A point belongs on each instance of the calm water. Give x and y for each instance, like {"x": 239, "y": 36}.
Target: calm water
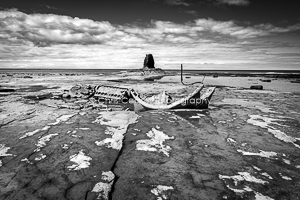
{"x": 279, "y": 84}
{"x": 225, "y": 77}
{"x": 108, "y": 71}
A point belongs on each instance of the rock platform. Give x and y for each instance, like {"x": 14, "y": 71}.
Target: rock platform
{"x": 246, "y": 145}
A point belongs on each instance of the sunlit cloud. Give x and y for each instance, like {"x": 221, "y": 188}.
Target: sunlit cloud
{"x": 173, "y": 2}
{"x": 190, "y": 12}
{"x": 176, "y": 2}
{"x": 47, "y": 29}
{"x": 53, "y": 41}
{"x": 234, "y": 2}
{"x": 51, "y": 7}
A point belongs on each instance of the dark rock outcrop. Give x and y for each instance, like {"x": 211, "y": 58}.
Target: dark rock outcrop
{"x": 296, "y": 81}
{"x": 265, "y": 80}
{"x": 149, "y": 62}
{"x": 256, "y": 87}
{"x": 7, "y": 90}
{"x": 147, "y": 73}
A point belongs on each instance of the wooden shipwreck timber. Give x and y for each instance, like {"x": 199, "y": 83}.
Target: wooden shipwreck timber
{"x": 164, "y": 101}
{"x": 161, "y": 101}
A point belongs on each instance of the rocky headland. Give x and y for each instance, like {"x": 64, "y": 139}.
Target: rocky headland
{"x": 148, "y": 72}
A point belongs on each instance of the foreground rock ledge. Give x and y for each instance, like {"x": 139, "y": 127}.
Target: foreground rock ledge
{"x": 245, "y": 146}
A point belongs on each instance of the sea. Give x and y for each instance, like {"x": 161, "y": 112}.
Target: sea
{"x": 191, "y": 72}
{"x": 280, "y": 80}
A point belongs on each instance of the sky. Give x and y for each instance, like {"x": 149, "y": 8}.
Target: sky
{"x": 117, "y": 34}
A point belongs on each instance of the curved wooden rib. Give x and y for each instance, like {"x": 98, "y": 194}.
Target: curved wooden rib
{"x": 179, "y": 103}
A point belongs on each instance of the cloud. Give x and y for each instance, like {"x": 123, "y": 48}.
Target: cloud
{"x": 48, "y": 40}
{"x": 49, "y": 28}
{"x": 174, "y": 2}
{"x": 51, "y": 7}
{"x": 177, "y": 2}
{"x": 234, "y": 2}
{"x": 229, "y": 28}
{"x": 273, "y": 29}
{"x": 190, "y": 12}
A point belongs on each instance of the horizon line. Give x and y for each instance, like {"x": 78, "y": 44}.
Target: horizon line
{"x": 121, "y": 69}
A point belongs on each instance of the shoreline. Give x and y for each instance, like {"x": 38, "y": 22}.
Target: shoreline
{"x": 224, "y": 73}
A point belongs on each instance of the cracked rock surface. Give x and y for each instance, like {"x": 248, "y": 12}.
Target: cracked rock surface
{"x": 245, "y": 146}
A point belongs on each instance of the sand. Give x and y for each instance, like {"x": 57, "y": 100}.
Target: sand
{"x": 244, "y": 146}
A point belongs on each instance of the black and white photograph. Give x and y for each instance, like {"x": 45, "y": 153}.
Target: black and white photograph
{"x": 149, "y": 100}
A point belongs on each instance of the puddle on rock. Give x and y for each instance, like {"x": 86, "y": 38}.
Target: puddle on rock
{"x": 117, "y": 123}
{"x": 35, "y": 88}
{"x": 155, "y": 143}
{"x": 247, "y": 104}
{"x": 81, "y": 161}
{"x": 267, "y": 122}
{"x": 161, "y": 191}
{"x": 37, "y": 98}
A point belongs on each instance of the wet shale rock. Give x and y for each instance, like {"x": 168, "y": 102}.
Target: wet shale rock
{"x": 64, "y": 159}
{"x": 245, "y": 146}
